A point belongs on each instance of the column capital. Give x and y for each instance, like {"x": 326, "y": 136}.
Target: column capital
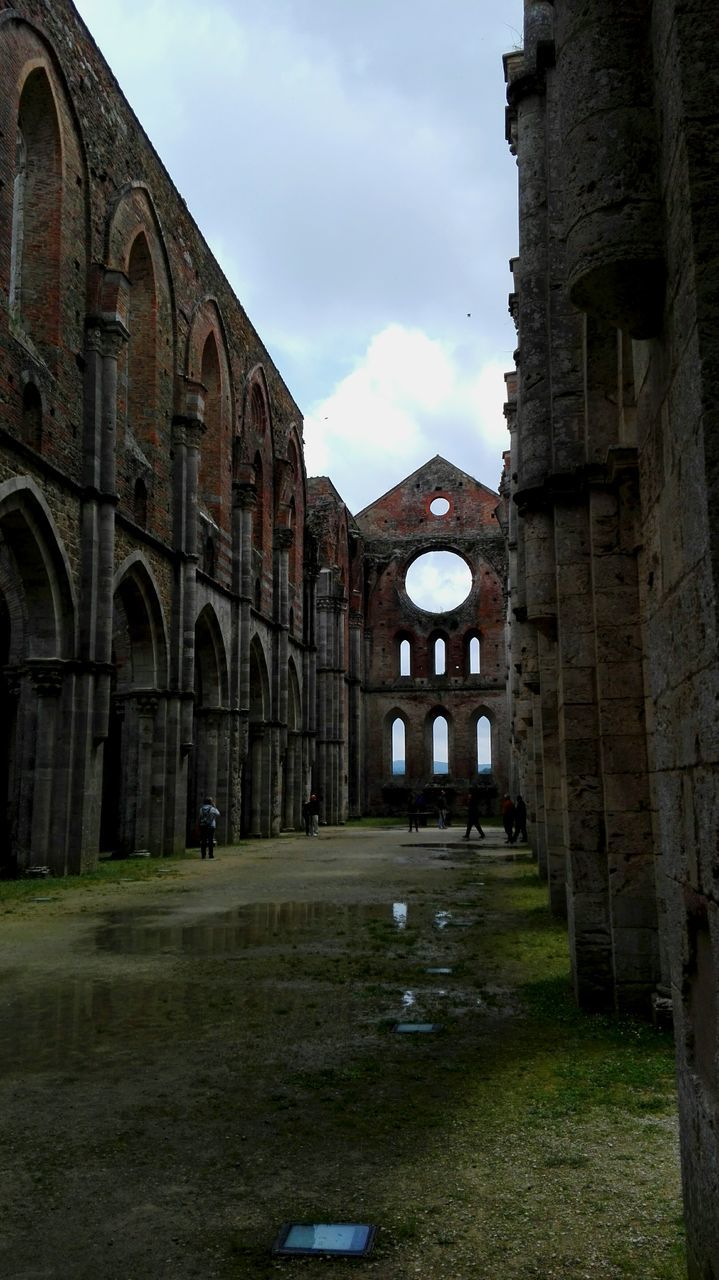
{"x": 284, "y": 539}
{"x": 187, "y": 431}
{"x": 47, "y": 678}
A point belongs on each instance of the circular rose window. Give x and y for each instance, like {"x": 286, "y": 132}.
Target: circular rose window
{"x": 438, "y": 581}
{"x": 439, "y": 506}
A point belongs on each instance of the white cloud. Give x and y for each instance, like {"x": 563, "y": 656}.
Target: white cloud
{"x": 409, "y": 397}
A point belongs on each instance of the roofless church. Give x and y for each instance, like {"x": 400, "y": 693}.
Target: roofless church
{"x": 184, "y": 612}
{"x": 181, "y": 612}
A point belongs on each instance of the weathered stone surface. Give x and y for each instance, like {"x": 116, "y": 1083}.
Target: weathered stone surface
{"x": 623, "y": 150}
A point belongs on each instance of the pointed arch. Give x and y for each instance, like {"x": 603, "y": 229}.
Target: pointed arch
{"x": 138, "y": 286}
{"x": 207, "y": 364}
{"x": 36, "y": 244}
{"x": 141, "y": 371}
{"x": 139, "y": 632}
{"x": 483, "y": 729}
{"x": 439, "y": 733}
{"x": 211, "y": 664}
{"x": 35, "y": 575}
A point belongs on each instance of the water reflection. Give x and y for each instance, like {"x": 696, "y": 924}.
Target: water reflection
{"x": 442, "y": 919}
{"x": 399, "y": 914}
{"x": 257, "y": 924}
{"x": 408, "y": 999}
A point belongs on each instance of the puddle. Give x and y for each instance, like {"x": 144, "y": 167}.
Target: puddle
{"x": 442, "y": 919}
{"x": 399, "y": 914}
{"x": 408, "y": 999}
{"x": 150, "y": 932}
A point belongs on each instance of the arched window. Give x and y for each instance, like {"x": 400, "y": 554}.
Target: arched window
{"x": 141, "y": 347}
{"x": 484, "y": 745}
{"x": 399, "y": 748}
{"x": 405, "y": 658}
{"x": 32, "y": 416}
{"x": 139, "y": 503}
{"x": 474, "y": 656}
{"x": 440, "y": 657}
{"x": 35, "y": 247}
{"x": 440, "y": 745}
{"x": 212, "y": 451}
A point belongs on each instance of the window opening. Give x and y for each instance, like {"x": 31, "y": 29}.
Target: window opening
{"x": 439, "y": 506}
{"x": 440, "y": 745}
{"x": 399, "y": 749}
{"x": 484, "y": 745}
{"x": 438, "y": 581}
{"x": 440, "y": 657}
{"x": 405, "y": 658}
{"x": 474, "y": 656}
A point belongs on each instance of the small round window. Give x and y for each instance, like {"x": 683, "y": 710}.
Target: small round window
{"x": 439, "y": 506}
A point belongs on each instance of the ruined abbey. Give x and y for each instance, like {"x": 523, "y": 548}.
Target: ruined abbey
{"x": 612, "y": 115}
{"x": 184, "y": 612}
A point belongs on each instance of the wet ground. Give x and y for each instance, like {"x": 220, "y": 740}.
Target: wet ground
{"x": 188, "y": 1061}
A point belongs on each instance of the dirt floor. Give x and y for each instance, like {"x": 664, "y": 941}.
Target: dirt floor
{"x": 192, "y": 1053}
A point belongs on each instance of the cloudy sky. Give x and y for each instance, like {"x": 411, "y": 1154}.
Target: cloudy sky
{"x": 345, "y": 160}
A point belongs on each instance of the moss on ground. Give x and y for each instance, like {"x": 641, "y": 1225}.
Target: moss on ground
{"x": 255, "y": 1075}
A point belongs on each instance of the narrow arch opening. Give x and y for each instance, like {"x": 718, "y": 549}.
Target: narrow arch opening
{"x": 474, "y": 656}
{"x": 405, "y": 658}
{"x": 484, "y": 745}
{"x": 399, "y": 747}
{"x": 36, "y": 241}
{"x": 440, "y": 657}
{"x": 141, "y": 347}
{"x": 440, "y": 745}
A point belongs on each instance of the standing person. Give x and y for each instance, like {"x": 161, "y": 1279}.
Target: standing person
{"x": 508, "y": 815}
{"x": 520, "y": 821}
{"x": 442, "y": 811}
{"x": 473, "y": 814}
{"x": 208, "y": 822}
{"x": 307, "y": 817}
{"x": 412, "y": 813}
{"x": 313, "y": 812}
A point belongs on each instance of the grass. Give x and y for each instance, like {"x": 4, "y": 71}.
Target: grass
{"x": 14, "y": 893}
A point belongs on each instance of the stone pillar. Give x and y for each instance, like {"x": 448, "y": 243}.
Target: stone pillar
{"x": 553, "y": 799}
{"x": 627, "y": 817}
{"x": 613, "y": 217}
{"x": 324, "y": 695}
{"x": 245, "y": 499}
{"x": 146, "y": 711}
{"x": 354, "y": 732}
{"x": 587, "y": 886}
{"x": 46, "y": 682}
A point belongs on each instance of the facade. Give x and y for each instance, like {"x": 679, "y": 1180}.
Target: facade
{"x": 154, "y": 612}
{"x": 613, "y": 549}
{"x": 435, "y": 709}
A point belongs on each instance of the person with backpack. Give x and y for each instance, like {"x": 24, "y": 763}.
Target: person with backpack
{"x": 208, "y": 822}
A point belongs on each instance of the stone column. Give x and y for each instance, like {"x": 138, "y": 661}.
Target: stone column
{"x": 354, "y": 731}
{"x": 46, "y": 682}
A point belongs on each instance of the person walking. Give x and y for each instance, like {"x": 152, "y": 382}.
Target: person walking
{"x": 508, "y": 815}
{"x": 473, "y": 815}
{"x": 442, "y": 812}
{"x": 520, "y": 821}
{"x": 412, "y": 813}
{"x": 208, "y": 822}
{"x": 313, "y": 814}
